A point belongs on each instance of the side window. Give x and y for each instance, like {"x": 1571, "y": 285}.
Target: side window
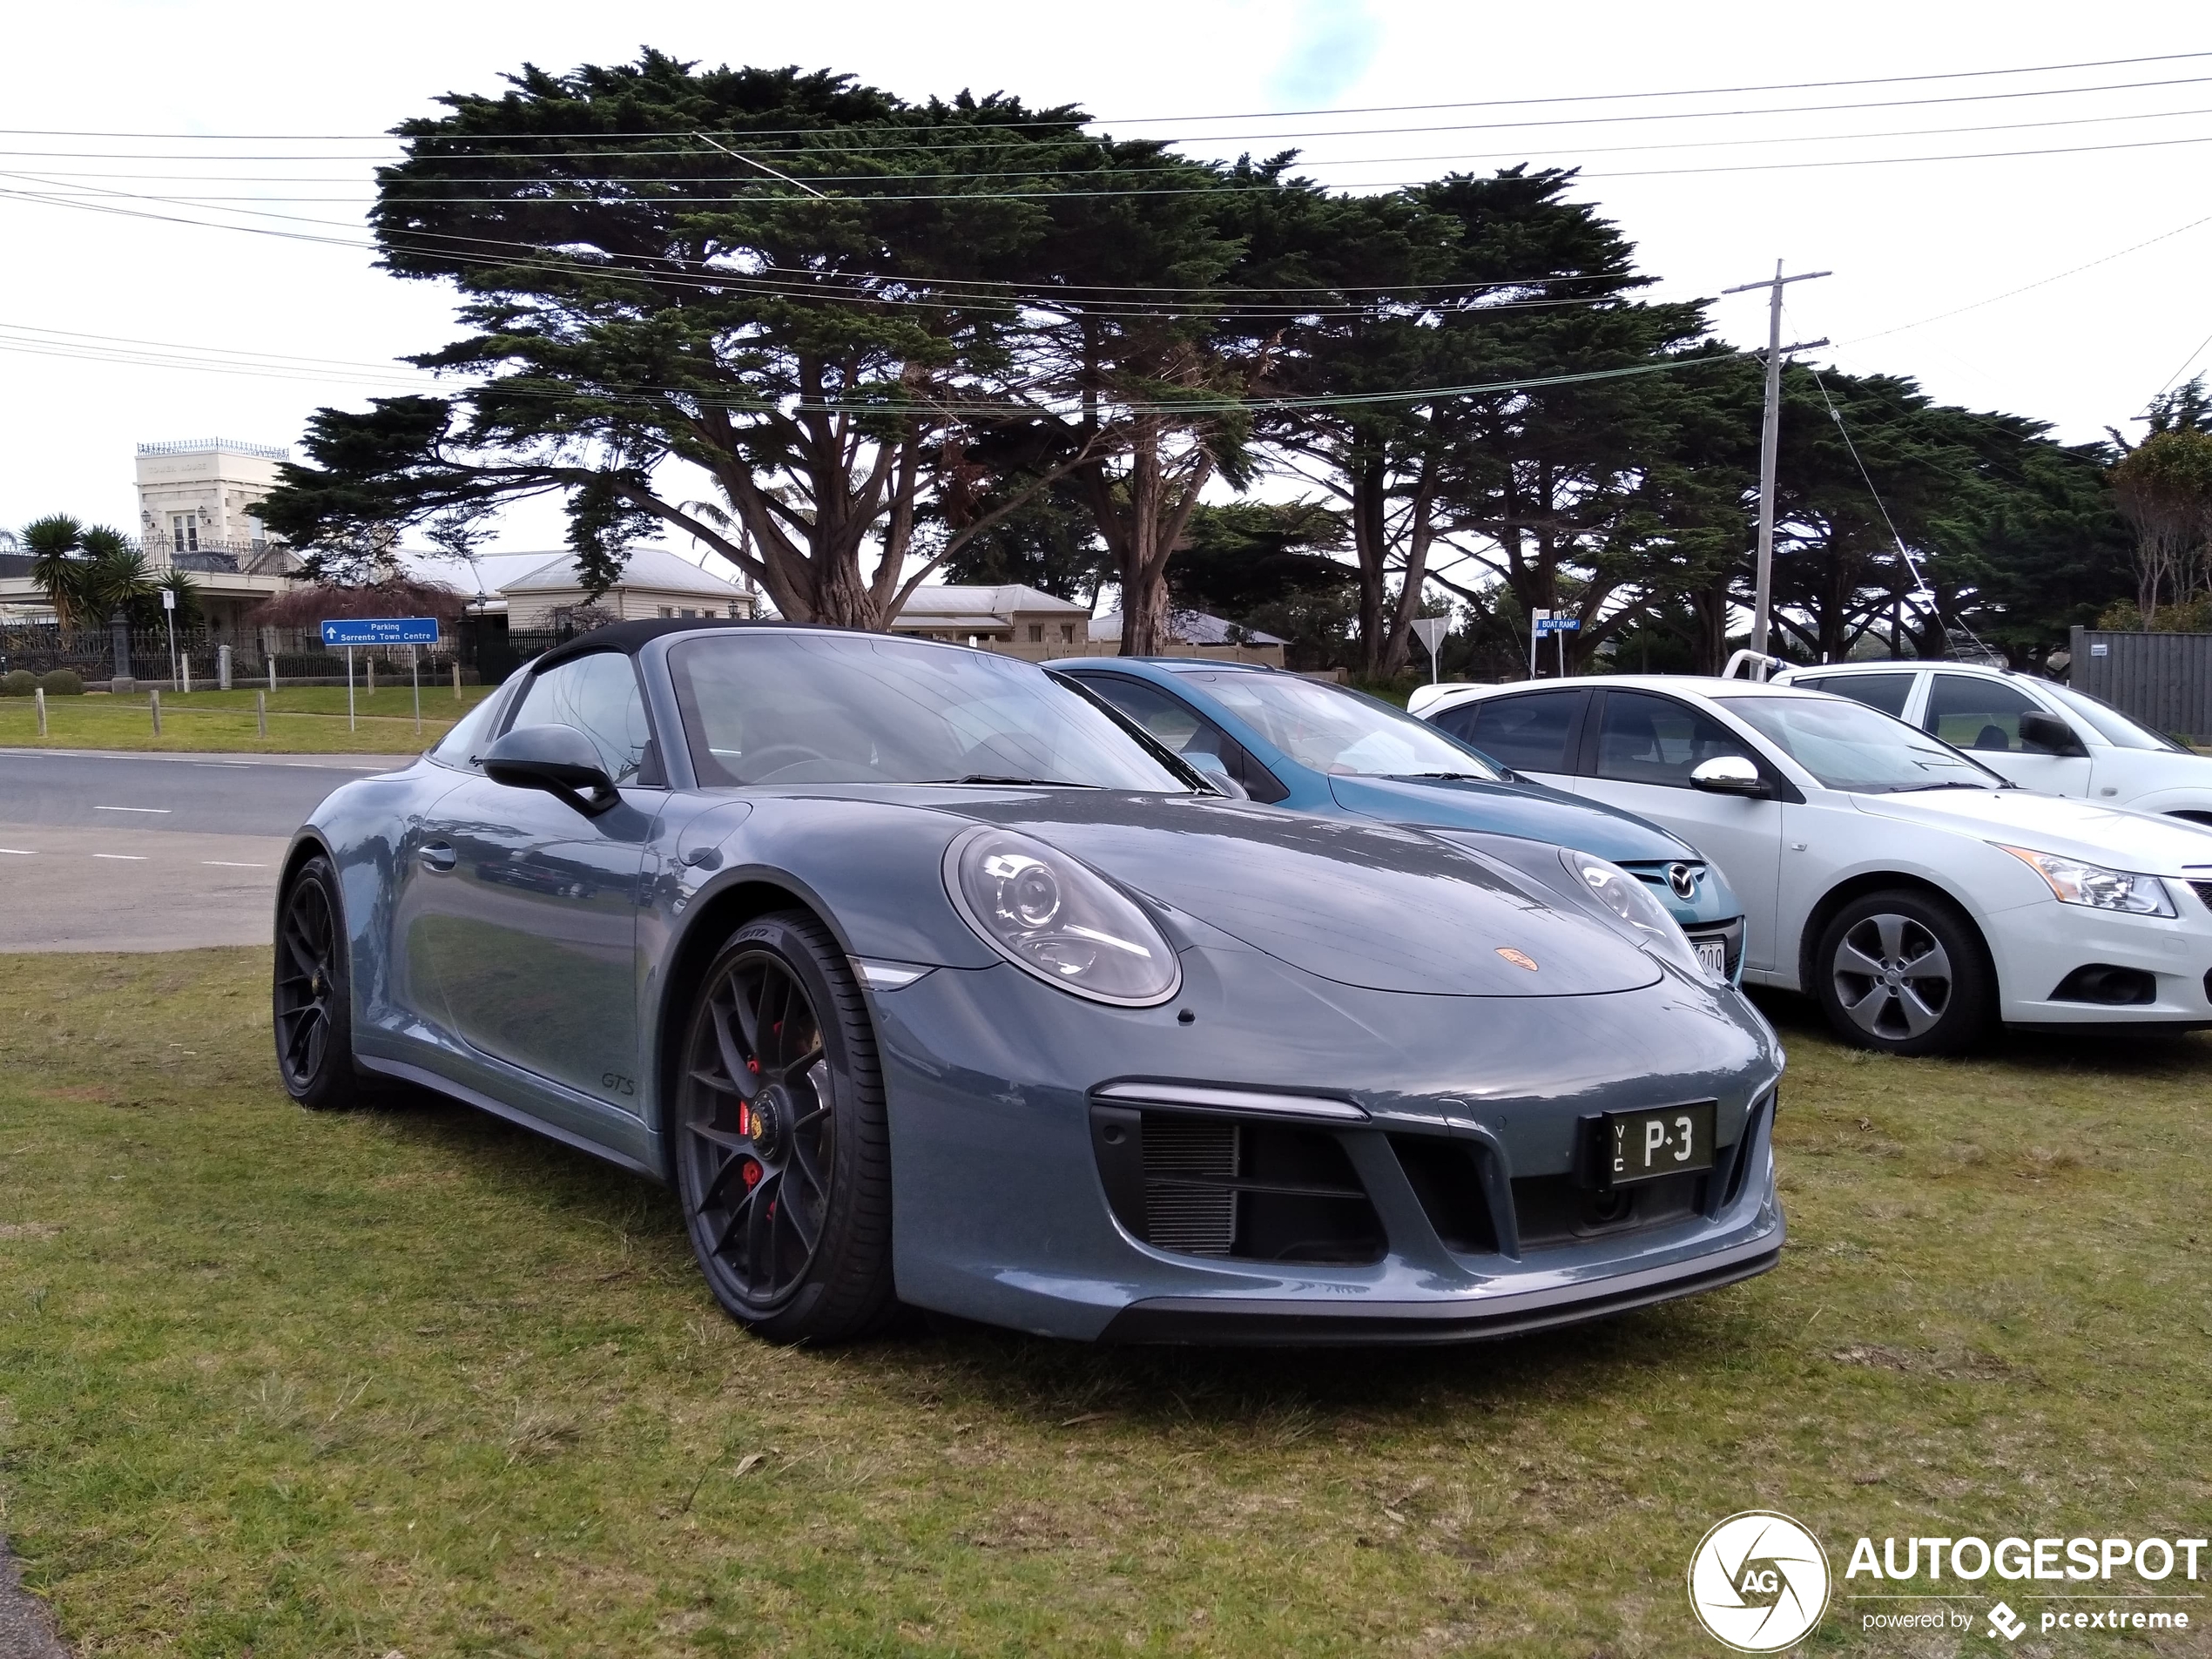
{"x": 1969, "y": 712}
{"x": 1185, "y": 731}
{"x": 1885, "y": 691}
{"x": 1174, "y": 723}
{"x": 1528, "y": 733}
{"x": 1642, "y": 738}
{"x": 463, "y": 748}
{"x": 597, "y": 695}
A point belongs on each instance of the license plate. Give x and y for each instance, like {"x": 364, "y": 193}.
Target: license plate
{"x": 1645, "y": 1145}
{"x": 1712, "y": 956}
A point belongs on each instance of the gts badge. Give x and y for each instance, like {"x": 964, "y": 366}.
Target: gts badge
{"x": 615, "y": 1084}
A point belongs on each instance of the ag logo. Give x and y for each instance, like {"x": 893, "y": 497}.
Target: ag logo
{"x": 1758, "y": 1582}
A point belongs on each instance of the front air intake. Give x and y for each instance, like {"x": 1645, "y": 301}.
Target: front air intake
{"x": 1216, "y": 1183}
{"x": 1187, "y": 1204}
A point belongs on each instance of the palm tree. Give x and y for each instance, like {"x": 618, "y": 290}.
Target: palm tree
{"x": 55, "y": 570}
{"x": 116, "y": 577}
{"x": 187, "y": 591}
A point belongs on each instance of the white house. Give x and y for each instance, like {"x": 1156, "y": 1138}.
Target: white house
{"x": 1010, "y": 614}
{"x": 654, "y": 583}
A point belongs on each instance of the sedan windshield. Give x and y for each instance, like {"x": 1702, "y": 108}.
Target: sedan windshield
{"x": 761, "y": 707}
{"x": 1848, "y": 745}
{"x": 1331, "y": 730}
{"x": 2116, "y": 728}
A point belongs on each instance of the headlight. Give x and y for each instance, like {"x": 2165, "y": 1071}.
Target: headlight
{"x": 1646, "y": 920}
{"x": 2073, "y": 882}
{"x": 1057, "y": 918}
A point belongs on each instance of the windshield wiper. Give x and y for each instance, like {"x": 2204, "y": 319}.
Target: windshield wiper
{"x": 1025, "y": 783}
{"x": 1450, "y": 777}
{"x": 1948, "y": 783}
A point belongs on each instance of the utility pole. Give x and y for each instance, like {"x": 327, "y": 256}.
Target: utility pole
{"x": 1770, "y": 443}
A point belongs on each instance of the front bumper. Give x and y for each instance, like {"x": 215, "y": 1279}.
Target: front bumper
{"x": 1258, "y": 1321}
{"x": 1000, "y": 1211}
{"x": 2037, "y": 945}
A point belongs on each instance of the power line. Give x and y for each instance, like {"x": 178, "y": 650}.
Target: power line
{"x": 706, "y": 397}
{"x": 934, "y": 292}
{"x": 1219, "y": 188}
{"x": 665, "y": 179}
{"x": 1257, "y": 115}
{"x": 467, "y": 147}
{"x": 2039, "y": 283}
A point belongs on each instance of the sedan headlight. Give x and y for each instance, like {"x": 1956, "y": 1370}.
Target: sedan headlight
{"x": 2073, "y": 882}
{"x": 1645, "y": 918}
{"x": 1059, "y": 920}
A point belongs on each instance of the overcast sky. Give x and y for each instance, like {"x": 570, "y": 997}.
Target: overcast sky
{"x": 1924, "y": 253}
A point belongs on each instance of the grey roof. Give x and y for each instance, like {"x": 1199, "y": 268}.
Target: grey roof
{"x": 1192, "y": 628}
{"x": 1001, "y": 600}
{"x": 648, "y": 567}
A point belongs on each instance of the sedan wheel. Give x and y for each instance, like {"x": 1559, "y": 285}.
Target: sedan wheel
{"x": 783, "y": 1156}
{"x": 1902, "y": 974}
{"x": 311, "y": 1002}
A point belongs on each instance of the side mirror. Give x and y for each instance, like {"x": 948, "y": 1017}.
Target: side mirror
{"x": 2049, "y": 734}
{"x": 1217, "y": 771}
{"x": 1729, "y": 775}
{"x": 560, "y": 761}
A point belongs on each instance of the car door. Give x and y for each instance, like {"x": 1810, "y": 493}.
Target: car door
{"x": 1534, "y": 733}
{"x": 1639, "y": 754}
{"x": 1981, "y": 716}
{"x": 527, "y": 914}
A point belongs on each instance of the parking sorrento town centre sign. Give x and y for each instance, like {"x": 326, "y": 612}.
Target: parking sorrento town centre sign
{"x": 382, "y": 630}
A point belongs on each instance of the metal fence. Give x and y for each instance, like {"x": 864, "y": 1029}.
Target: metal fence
{"x": 2164, "y": 680}
{"x": 296, "y": 655}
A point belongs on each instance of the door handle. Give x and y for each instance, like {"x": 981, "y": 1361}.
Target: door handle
{"x": 437, "y": 855}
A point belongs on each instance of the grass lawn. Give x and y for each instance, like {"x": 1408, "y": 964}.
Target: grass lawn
{"x": 305, "y": 719}
{"x": 412, "y": 1379}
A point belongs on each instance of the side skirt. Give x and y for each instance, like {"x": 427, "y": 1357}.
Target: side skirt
{"x": 444, "y": 1085}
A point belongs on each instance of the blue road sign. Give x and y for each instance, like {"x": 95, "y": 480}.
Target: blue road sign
{"x": 382, "y": 630}
{"x": 1544, "y": 625}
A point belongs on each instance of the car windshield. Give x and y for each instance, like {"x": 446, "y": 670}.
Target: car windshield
{"x": 2115, "y": 727}
{"x": 1333, "y": 730}
{"x": 1848, "y": 745}
{"x": 762, "y": 707}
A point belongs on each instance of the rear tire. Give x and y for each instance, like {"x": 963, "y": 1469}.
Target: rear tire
{"x": 1904, "y": 973}
{"x": 311, "y": 997}
{"x": 783, "y": 1146}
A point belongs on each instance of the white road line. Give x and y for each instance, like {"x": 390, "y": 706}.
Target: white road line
{"x": 128, "y": 858}
{"x": 19, "y": 852}
{"x": 233, "y": 864}
{"x": 163, "y": 810}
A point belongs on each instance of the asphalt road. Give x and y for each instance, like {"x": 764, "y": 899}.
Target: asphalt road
{"x": 134, "y": 851}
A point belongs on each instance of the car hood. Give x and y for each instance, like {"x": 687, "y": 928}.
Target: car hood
{"x": 1360, "y": 903}
{"x": 2076, "y": 829}
{"x": 1533, "y": 811}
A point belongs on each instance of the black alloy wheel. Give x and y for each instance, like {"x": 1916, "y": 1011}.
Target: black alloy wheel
{"x": 783, "y": 1149}
{"x": 1902, "y": 973}
{"x": 311, "y": 1002}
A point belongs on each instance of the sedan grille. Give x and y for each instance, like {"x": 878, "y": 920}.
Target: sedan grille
{"x": 2203, "y": 890}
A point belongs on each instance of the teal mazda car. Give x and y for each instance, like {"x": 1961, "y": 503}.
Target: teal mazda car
{"x": 1312, "y": 746}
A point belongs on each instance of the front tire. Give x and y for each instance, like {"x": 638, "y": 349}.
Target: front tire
{"x": 311, "y": 1000}
{"x": 783, "y": 1154}
{"x": 1903, "y": 974}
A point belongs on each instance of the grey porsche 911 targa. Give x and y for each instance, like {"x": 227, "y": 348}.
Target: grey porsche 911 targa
{"x": 926, "y": 978}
